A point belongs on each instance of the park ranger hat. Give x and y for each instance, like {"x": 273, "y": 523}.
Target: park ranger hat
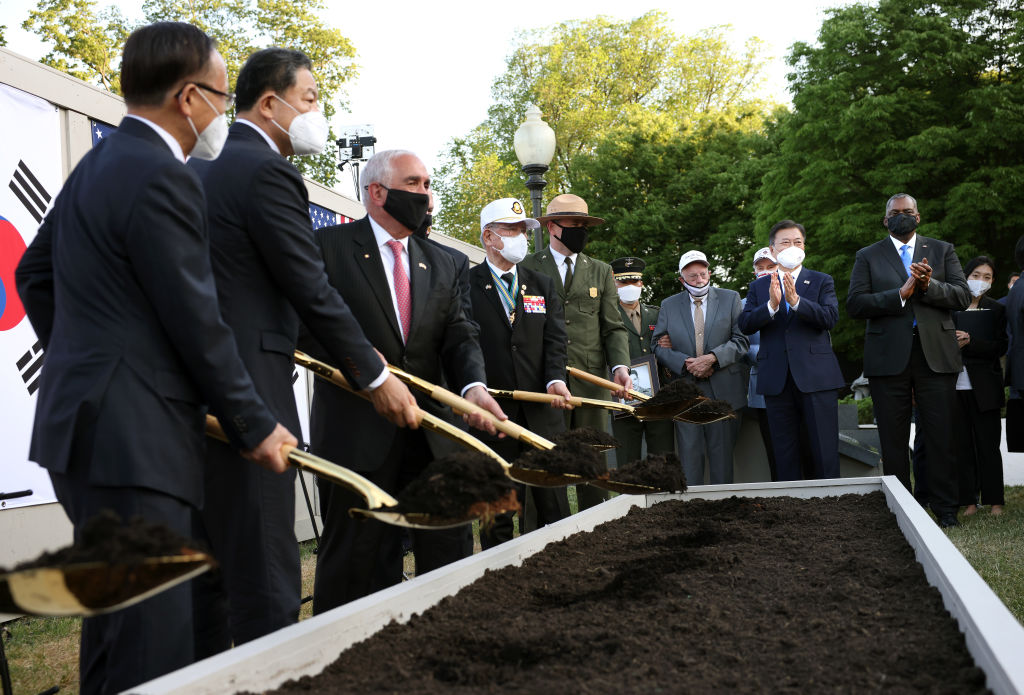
{"x": 764, "y": 253}
{"x": 506, "y": 211}
{"x": 628, "y": 269}
{"x": 692, "y": 257}
{"x": 569, "y": 205}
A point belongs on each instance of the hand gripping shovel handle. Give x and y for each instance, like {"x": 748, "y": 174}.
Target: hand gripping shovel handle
{"x": 427, "y": 420}
{"x": 604, "y": 383}
{"x": 461, "y": 405}
{"x": 374, "y": 495}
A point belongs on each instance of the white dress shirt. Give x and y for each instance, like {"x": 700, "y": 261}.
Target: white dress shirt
{"x": 560, "y": 262}
{"x": 164, "y": 135}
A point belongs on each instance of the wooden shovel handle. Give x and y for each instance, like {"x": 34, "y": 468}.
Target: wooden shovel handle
{"x": 604, "y": 383}
{"x": 461, "y": 405}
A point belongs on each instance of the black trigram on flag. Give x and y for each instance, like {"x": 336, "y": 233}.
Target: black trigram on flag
{"x": 29, "y": 365}
{"x": 29, "y": 191}
{"x": 295, "y": 375}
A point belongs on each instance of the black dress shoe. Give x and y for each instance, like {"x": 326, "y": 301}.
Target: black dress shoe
{"x": 948, "y": 519}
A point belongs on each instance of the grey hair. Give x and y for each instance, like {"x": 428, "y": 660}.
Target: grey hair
{"x": 380, "y": 169}
{"x": 888, "y": 204}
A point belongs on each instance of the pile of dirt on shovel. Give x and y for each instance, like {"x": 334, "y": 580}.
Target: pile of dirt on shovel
{"x": 106, "y": 538}
{"x": 660, "y": 471}
{"x": 709, "y": 410}
{"x": 450, "y": 486}
{"x": 678, "y": 391}
{"x": 574, "y": 454}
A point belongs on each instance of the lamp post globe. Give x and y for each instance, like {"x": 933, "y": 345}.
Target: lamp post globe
{"x": 534, "y": 144}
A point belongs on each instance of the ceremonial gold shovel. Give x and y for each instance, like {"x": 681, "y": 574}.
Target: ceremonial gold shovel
{"x": 376, "y": 498}
{"x": 536, "y": 397}
{"x": 527, "y": 476}
{"x": 461, "y": 405}
{"x": 677, "y": 410}
{"x": 92, "y": 588}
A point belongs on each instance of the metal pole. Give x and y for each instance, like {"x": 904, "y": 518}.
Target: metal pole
{"x": 536, "y": 183}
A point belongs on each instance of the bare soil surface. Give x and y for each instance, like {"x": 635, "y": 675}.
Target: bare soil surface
{"x": 738, "y": 595}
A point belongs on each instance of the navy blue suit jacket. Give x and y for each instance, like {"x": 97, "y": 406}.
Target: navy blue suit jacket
{"x": 795, "y": 341}
{"x": 118, "y": 287}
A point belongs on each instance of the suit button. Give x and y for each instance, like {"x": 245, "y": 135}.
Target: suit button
{"x": 568, "y": 342}
{"x": 567, "y": 322}
{"x": 514, "y": 348}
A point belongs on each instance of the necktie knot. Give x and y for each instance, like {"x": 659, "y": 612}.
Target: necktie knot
{"x": 697, "y": 301}
{"x": 508, "y": 278}
{"x": 396, "y": 248}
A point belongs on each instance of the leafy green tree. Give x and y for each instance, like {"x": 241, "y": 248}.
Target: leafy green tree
{"x": 3, "y": 41}
{"x": 589, "y": 77}
{"x": 663, "y": 194}
{"x": 914, "y": 96}
{"x": 87, "y": 43}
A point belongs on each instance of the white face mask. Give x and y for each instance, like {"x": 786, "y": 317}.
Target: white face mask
{"x": 308, "y": 132}
{"x": 514, "y": 249}
{"x": 790, "y": 257}
{"x": 979, "y": 287}
{"x": 628, "y": 294}
{"x": 210, "y": 142}
{"x": 697, "y": 291}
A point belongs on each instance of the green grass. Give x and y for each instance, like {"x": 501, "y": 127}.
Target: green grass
{"x": 43, "y": 652}
{"x": 994, "y": 545}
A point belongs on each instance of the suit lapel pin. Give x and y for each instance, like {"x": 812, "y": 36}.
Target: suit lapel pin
{"x": 422, "y": 265}
{"x": 487, "y": 287}
{"x": 807, "y": 282}
{"x": 366, "y": 255}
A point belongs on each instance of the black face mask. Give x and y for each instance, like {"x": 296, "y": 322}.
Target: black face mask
{"x": 406, "y": 207}
{"x": 421, "y": 231}
{"x": 902, "y": 225}
{"x": 574, "y": 238}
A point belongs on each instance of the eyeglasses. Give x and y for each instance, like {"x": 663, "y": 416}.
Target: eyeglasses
{"x": 229, "y": 97}
{"x": 783, "y": 243}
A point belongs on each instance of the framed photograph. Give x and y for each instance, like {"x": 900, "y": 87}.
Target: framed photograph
{"x": 644, "y": 371}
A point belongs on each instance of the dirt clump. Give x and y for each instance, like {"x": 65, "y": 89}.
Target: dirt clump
{"x": 574, "y": 454}
{"x": 583, "y": 437}
{"x": 679, "y": 391}
{"x": 707, "y": 411}
{"x": 660, "y": 471}
{"x": 450, "y": 486}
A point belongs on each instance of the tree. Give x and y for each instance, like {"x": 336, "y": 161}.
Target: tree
{"x": 663, "y": 194}
{"x": 588, "y": 77}
{"x": 3, "y": 41}
{"x": 911, "y": 96}
{"x": 88, "y": 42}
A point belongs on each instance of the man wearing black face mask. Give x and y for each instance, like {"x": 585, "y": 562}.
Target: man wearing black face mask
{"x": 597, "y": 339}
{"x": 404, "y": 293}
{"x": 910, "y": 348}
{"x": 461, "y": 260}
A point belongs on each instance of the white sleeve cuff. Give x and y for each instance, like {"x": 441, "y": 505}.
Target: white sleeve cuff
{"x": 467, "y": 387}
{"x": 554, "y": 381}
{"x": 381, "y": 378}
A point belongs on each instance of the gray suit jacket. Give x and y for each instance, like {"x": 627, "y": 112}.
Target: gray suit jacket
{"x": 722, "y": 337}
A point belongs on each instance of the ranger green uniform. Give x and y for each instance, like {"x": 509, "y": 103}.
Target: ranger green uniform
{"x": 597, "y": 340}
{"x": 629, "y": 431}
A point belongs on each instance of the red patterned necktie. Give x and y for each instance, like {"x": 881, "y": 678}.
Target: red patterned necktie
{"x": 401, "y": 290}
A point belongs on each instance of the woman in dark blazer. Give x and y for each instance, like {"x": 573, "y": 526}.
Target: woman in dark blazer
{"x": 981, "y": 335}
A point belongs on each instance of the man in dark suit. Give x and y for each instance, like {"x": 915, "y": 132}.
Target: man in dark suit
{"x": 794, "y": 308}
{"x": 522, "y": 336}
{"x": 269, "y": 277}
{"x": 906, "y": 286}
{"x": 405, "y": 295}
{"x": 119, "y": 289}
{"x": 597, "y": 339}
{"x": 639, "y": 320}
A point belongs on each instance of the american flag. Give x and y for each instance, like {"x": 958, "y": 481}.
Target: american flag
{"x": 322, "y": 217}
{"x": 100, "y": 131}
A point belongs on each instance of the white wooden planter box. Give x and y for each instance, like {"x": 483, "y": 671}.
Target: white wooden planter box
{"x": 993, "y": 635}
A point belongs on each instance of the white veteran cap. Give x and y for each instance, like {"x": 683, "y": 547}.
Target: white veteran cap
{"x": 692, "y": 257}
{"x": 506, "y": 211}
{"x": 764, "y": 253}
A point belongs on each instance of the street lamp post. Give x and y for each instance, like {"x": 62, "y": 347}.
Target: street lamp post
{"x": 534, "y": 144}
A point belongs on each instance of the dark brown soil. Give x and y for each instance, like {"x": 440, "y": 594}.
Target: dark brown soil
{"x": 737, "y": 595}
{"x": 661, "y": 471}
{"x": 678, "y": 391}
{"x": 574, "y": 454}
{"x": 449, "y": 486}
{"x": 584, "y": 436}
{"x": 106, "y": 538}
{"x": 707, "y": 411}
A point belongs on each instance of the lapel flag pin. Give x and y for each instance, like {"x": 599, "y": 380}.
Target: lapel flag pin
{"x": 366, "y": 255}
{"x": 807, "y": 282}
{"x": 422, "y": 266}
{"x": 487, "y": 287}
